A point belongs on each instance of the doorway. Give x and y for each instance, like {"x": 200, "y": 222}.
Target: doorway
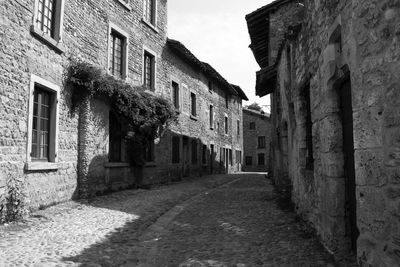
{"x": 346, "y": 109}
{"x": 185, "y": 156}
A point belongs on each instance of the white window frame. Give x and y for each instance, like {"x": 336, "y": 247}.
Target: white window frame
{"x": 113, "y": 27}
{"x": 54, "y": 129}
{"x": 56, "y": 40}
{"x": 154, "y": 80}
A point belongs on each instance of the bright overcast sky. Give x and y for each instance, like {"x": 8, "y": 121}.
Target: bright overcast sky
{"x": 215, "y": 31}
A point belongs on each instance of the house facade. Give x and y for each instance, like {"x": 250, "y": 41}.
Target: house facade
{"x": 331, "y": 68}
{"x": 47, "y": 145}
{"x": 256, "y": 141}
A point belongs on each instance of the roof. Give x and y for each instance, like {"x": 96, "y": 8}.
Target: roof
{"x": 257, "y": 113}
{"x": 180, "y": 50}
{"x": 240, "y": 92}
{"x": 259, "y": 31}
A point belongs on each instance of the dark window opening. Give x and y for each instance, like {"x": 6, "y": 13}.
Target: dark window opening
{"x": 149, "y": 152}
{"x": 175, "y": 94}
{"x": 175, "y": 149}
{"x": 116, "y": 54}
{"x": 261, "y": 142}
{"x": 148, "y": 75}
{"x": 249, "y": 161}
{"x": 115, "y": 139}
{"x": 252, "y": 126}
{"x": 41, "y": 125}
{"x": 194, "y": 151}
{"x": 193, "y": 110}
{"x": 309, "y": 141}
{"x": 211, "y": 117}
{"x": 226, "y": 125}
{"x": 261, "y": 159}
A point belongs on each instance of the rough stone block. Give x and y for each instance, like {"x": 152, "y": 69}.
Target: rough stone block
{"x": 369, "y": 167}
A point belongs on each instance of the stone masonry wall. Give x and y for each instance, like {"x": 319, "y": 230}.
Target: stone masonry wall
{"x": 85, "y": 36}
{"x": 191, "y": 80}
{"x": 250, "y": 140}
{"x": 369, "y": 54}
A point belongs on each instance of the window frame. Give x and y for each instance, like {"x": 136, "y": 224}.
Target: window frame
{"x": 149, "y": 153}
{"x": 53, "y": 40}
{"x": 193, "y": 106}
{"x": 153, "y": 57}
{"x": 176, "y": 95}
{"x": 112, "y": 27}
{"x": 251, "y": 124}
{"x": 258, "y": 159}
{"x": 262, "y": 142}
{"x": 152, "y": 24}
{"x": 226, "y": 125}
{"x": 54, "y": 90}
{"x": 211, "y": 117}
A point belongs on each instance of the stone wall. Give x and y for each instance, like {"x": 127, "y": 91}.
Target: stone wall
{"x": 369, "y": 56}
{"x": 250, "y": 140}
{"x": 190, "y": 80}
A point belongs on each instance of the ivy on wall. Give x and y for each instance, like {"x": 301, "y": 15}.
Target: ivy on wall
{"x": 141, "y": 112}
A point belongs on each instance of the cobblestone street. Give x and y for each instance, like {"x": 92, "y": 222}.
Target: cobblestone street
{"x": 225, "y": 220}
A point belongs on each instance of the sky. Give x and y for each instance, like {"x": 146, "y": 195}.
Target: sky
{"x": 215, "y": 31}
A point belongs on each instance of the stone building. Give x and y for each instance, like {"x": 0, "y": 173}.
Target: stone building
{"x": 332, "y": 69}
{"x": 46, "y": 144}
{"x": 256, "y": 141}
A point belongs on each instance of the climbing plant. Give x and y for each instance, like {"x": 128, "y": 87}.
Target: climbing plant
{"x": 143, "y": 113}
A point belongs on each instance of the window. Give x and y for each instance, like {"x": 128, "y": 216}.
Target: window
{"x": 218, "y": 128}
{"x": 43, "y": 122}
{"x": 47, "y": 22}
{"x": 226, "y": 125}
{"x": 118, "y": 45}
{"x": 249, "y": 161}
{"x": 175, "y": 149}
{"x": 309, "y": 143}
{"x": 194, "y": 151}
{"x": 175, "y": 94}
{"x": 149, "y": 12}
{"x": 238, "y": 127}
{"x": 149, "y": 152}
{"x": 226, "y": 100}
{"x": 261, "y": 142}
{"x": 149, "y": 70}
{"x": 261, "y": 159}
{"x": 193, "y": 104}
{"x": 211, "y": 117}
{"x": 204, "y": 155}
{"x": 230, "y": 157}
{"x": 115, "y": 139}
{"x": 238, "y": 156}
{"x": 252, "y": 126}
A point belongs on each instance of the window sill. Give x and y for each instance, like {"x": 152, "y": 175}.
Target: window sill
{"x": 116, "y": 165}
{"x": 52, "y": 43}
{"x": 126, "y": 5}
{"x": 151, "y": 26}
{"x": 193, "y": 117}
{"x": 41, "y": 166}
{"x": 150, "y": 164}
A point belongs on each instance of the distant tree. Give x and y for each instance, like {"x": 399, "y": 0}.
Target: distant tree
{"x": 255, "y": 106}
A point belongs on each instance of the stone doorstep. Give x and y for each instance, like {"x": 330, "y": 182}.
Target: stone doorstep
{"x": 155, "y": 231}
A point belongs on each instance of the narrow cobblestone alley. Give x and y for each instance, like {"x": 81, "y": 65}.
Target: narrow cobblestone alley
{"x": 225, "y": 220}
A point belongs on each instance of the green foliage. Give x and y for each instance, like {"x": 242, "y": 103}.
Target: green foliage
{"x": 142, "y": 112}
{"x": 12, "y": 203}
{"x": 255, "y": 106}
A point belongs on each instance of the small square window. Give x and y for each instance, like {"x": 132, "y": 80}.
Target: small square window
{"x": 252, "y": 126}
{"x": 149, "y": 71}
